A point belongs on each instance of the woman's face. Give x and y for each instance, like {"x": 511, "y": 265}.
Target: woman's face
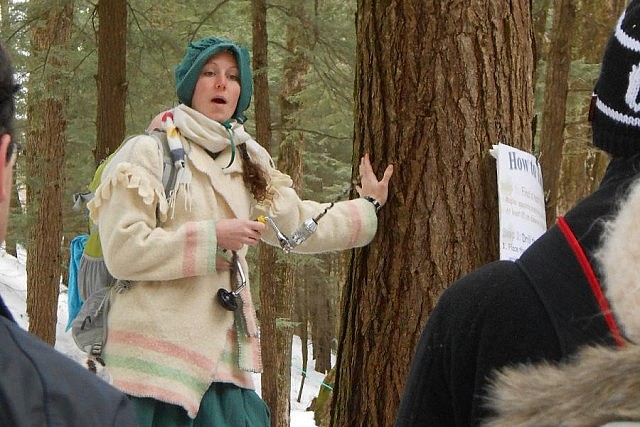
{"x": 218, "y": 87}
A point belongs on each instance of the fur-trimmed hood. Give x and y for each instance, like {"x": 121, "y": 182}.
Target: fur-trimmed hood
{"x": 600, "y": 385}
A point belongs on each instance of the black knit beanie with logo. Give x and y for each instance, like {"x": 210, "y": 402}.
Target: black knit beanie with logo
{"x": 616, "y": 109}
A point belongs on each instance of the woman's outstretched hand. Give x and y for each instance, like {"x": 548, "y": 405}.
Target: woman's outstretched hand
{"x": 369, "y": 184}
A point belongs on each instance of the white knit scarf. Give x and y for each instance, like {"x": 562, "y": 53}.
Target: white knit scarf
{"x": 208, "y": 133}
{"x": 189, "y": 124}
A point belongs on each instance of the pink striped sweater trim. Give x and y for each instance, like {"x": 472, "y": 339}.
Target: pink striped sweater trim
{"x": 190, "y": 247}
{"x": 144, "y": 342}
{"x": 354, "y": 212}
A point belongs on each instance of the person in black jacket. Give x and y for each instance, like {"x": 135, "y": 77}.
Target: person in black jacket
{"x": 549, "y": 303}
{"x": 38, "y": 385}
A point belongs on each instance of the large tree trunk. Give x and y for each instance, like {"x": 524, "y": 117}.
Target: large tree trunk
{"x": 46, "y": 138}
{"x": 112, "y": 76}
{"x": 432, "y": 99}
{"x": 555, "y": 103}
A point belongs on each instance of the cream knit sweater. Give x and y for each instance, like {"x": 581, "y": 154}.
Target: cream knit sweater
{"x": 168, "y": 337}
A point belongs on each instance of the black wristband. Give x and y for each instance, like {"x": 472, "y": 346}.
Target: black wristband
{"x": 376, "y": 204}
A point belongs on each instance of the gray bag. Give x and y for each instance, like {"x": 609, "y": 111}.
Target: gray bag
{"x": 95, "y": 283}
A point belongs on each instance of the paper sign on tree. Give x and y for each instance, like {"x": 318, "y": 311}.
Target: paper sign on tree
{"x": 520, "y": 200}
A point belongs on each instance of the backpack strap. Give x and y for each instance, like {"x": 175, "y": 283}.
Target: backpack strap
{"x": 592, "y": 279}
{"x": 169, "y": 171}
{"x": 173, "y": 162}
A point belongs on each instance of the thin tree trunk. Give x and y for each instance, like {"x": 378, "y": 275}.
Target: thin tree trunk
{"x": 540, "y": 14}
{"x": 583, "y": 165}
{"x": 46, "y": 138}
{"x": 322, "y": 321}
{"x": 555, "y": 103}
{"x": 267, "y": 254}
{"x": 289, "y": 162}
{"x": 112, "y": 76}
{"x": 304, "y": 338}
{"x": 432, "y": 99}
{"x": 4, "y": 17}
{"x": 595, "y": 19}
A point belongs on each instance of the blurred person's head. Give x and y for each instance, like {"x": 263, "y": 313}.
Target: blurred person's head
{"x": 8, "y": 147}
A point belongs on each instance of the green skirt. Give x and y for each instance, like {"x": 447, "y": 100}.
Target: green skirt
{"x": 223, "y": 405}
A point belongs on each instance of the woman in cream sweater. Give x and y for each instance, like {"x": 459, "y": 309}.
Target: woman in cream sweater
{"x": 183, "y": 357}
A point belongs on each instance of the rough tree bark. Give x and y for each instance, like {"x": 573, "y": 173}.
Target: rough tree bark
{"x": 437, "y": 84}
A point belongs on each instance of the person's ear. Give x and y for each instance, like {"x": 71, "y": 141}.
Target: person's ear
{"x": 5, "y": 139}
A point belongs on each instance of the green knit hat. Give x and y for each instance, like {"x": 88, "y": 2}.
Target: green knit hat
{"x": 198, "y": 53}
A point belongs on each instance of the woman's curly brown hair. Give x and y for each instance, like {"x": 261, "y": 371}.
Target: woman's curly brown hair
{"x": 254, "y": 176}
